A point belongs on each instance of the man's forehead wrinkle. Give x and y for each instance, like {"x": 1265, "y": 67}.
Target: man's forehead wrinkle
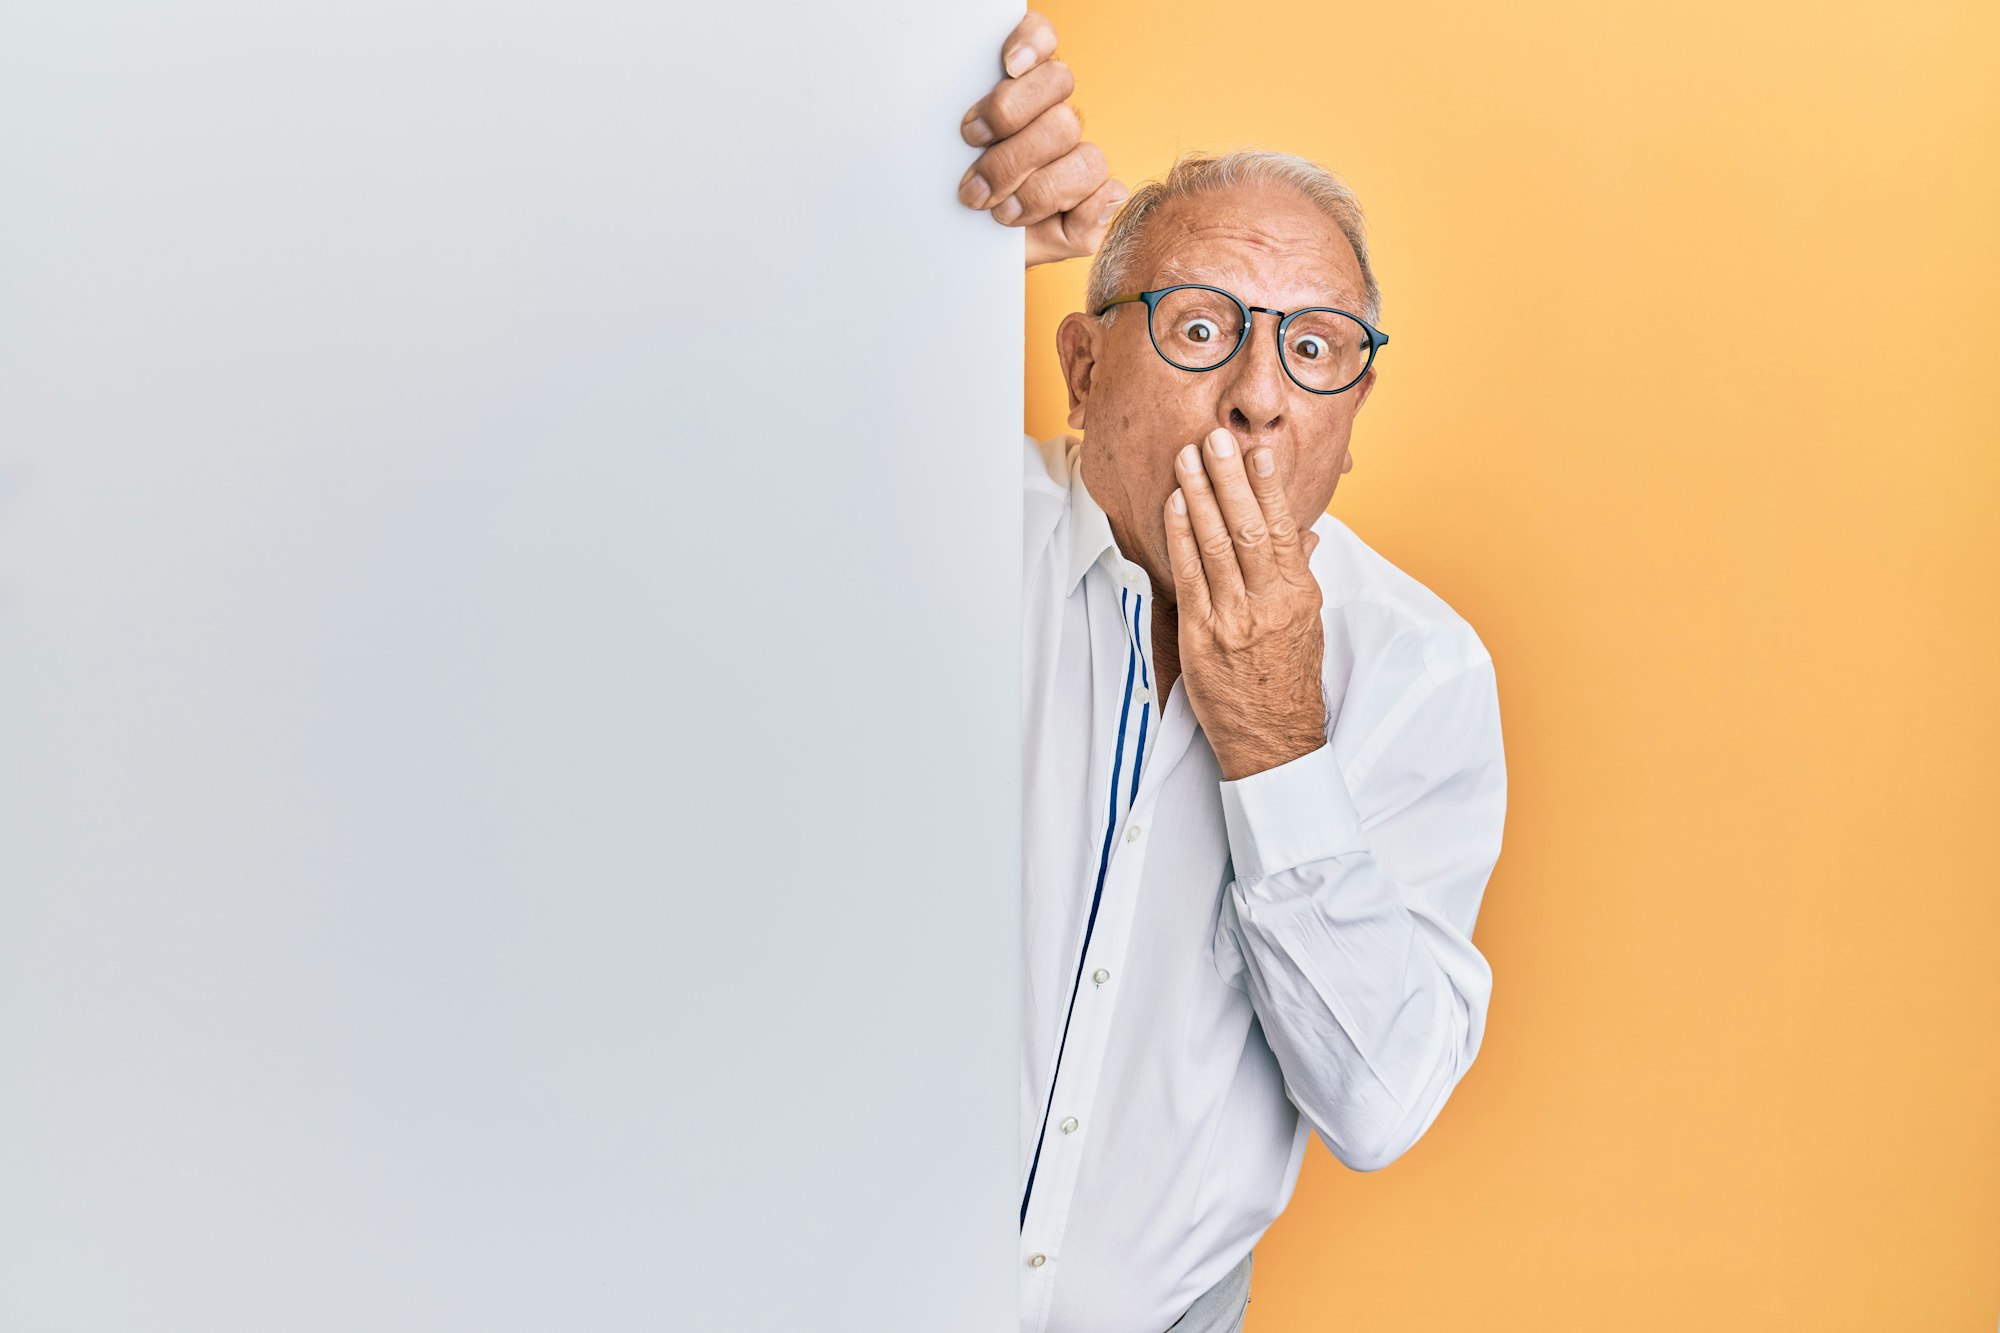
{"x": 1175, "y": 271}
{"x": 1261, "y": 234}
{"x": 1311, "y": 278}
{"x": 1262, "y": 246}
{"x": 1182, "y": 233}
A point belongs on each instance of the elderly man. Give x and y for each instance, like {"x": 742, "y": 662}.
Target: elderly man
{"x": 1263, "y": 786}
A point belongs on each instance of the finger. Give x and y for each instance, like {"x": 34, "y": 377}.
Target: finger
{"x": 1052, "y": 189}
{"x": 1004, "y": 166}
{"x": 1014, "y": 103}
{"x": 1184, "y": 555}
{"x": 1241, "y": 512}
{"x": 1032, "y": 41}
{"x": 1211, "y": 533}
{"x": 1269, "y": 488}
{"x": 1079, "y": 230}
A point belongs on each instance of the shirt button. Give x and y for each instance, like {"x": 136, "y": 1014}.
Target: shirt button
{"x": 1132, "y": 833}
{"x": 1100, "y": 976}
{"x": 1144, "y": 694}
{"x": 1037, "y": 1260}
{"x": 1069, "y": 1124}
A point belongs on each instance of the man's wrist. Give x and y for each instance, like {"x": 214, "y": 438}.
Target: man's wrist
{"x": 1239, "y": 761}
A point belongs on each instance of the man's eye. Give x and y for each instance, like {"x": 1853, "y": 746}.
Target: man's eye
{"x": 1311, "y": 347}
{"x": 1200, "y": 331}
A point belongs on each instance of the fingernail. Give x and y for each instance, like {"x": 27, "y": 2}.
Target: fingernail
{"x": 1111, "y": 210}
{"x": 1263, "y": 463}
{"x": 978, "y": 132}
{"x": 1220, "y": 441}
{"x": 1019, "y": 60}
{"x": 1008, "y": 209}
{"x": 973, "y": 189}
{"x": 1190, "y": 459}
{"x": 1180, "y": 504}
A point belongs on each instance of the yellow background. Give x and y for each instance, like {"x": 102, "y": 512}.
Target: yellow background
{"x": 1691, "y": 412}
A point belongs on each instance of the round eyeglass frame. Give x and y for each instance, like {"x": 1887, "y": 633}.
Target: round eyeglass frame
{"x": 1376, "y": 338}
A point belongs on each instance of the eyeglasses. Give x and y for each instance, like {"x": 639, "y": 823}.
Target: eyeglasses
{"x": 1197, "y": 327}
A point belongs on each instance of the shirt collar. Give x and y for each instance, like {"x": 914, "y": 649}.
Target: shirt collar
{"x": 1090, "y": 530}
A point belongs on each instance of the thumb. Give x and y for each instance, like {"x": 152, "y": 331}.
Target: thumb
{"x": 1079, "y": 232}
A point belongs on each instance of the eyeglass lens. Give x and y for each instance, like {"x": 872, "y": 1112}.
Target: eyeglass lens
{"x": 1195, "y": 328}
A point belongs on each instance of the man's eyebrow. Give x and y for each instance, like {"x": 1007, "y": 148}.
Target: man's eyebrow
{"x": 1171, "y": 273}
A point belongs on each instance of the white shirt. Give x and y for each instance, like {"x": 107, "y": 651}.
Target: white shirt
{"x": 1211, "y": 968}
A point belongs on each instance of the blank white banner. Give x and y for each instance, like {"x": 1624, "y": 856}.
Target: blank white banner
{"x": 509, "y": 667}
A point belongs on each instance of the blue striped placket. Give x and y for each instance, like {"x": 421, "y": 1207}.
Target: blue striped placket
{"x": 1133, "y": 655}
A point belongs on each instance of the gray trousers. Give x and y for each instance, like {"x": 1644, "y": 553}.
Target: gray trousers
{"x": 1220, "y": 1309}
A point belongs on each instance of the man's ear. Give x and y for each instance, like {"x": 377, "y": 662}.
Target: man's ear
{"x": 1366, "y": 387}
{"x": 1076, "y": 348}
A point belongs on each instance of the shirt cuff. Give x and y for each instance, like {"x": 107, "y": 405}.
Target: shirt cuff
{"x": 1283, "y": 817}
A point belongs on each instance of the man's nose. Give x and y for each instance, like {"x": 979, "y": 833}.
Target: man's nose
{"x": 1255, "y": 390}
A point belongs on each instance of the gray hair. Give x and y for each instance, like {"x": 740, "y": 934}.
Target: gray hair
{"x": 1198, "y": 173}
